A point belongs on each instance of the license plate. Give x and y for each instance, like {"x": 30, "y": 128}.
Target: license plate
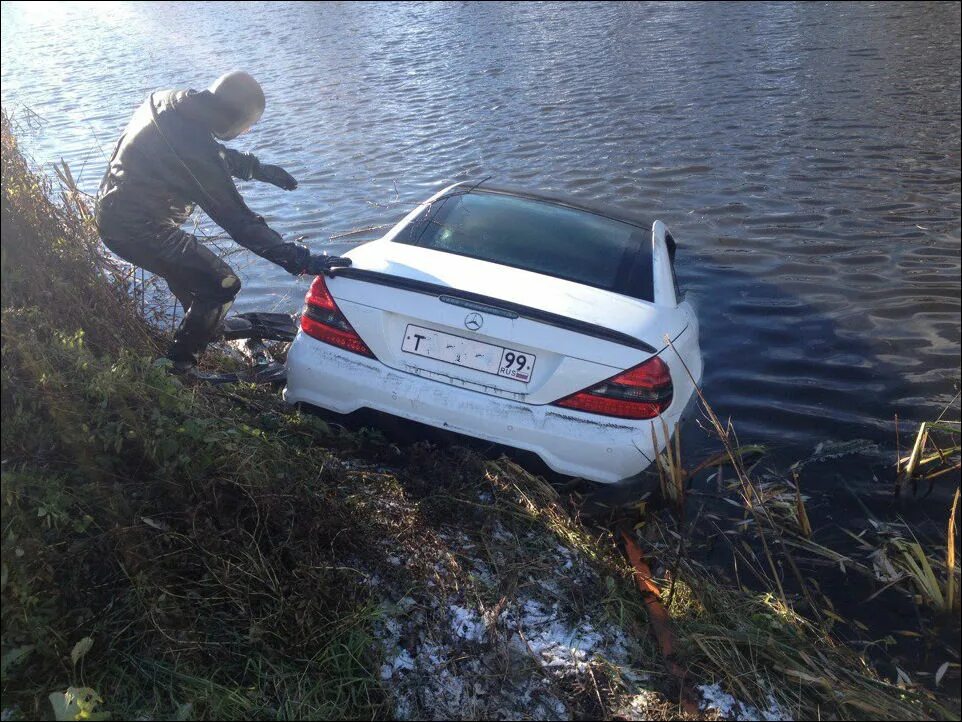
{"x": 498, "y": 360}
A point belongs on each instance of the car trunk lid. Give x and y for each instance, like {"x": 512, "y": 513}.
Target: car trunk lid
{"x": 475, "y": 316}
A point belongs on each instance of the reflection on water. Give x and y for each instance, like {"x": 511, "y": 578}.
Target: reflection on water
{"x": 806, "y": 157}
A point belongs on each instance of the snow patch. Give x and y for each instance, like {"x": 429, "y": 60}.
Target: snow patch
{"x": 444, "y": 667}
{"x": 715, "y": 698}
{"x": 554, "y": 642}
{"x": 466, "y": 623}
{"x": 461, "y": 650}
{"x": 401, "y": 661}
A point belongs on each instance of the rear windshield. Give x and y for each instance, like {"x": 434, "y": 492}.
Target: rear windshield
{"x": 538, "y": 236}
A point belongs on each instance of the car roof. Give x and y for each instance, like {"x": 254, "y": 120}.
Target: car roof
{"x": 606, "y": 210}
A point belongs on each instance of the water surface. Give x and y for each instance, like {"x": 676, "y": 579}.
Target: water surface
{"x": 806, "y": 157}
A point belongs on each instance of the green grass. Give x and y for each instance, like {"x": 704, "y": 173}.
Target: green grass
{"x": 179, "y": 533}
{"x": 193, "y": 538}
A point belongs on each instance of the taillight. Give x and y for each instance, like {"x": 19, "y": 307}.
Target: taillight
{"x": 642, "y": 392}
{"x": 323, "y": 320}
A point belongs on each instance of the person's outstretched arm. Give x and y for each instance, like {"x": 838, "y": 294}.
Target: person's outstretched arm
{"x": 246, "y": 166}
{"x": 215, "y": 192}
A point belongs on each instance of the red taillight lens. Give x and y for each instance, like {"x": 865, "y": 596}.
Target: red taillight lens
{"x": 318, "y": 295}
{"x": 642, "y": 392}
{"x": 323, "y": 320}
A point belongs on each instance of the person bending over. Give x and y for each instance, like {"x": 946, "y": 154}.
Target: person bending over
{"x": 167, "y": 161}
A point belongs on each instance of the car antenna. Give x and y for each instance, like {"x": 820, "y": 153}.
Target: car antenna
{"x": 478, "y": 184}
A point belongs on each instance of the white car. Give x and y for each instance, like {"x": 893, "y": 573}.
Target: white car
{"x": 522, "y": 320}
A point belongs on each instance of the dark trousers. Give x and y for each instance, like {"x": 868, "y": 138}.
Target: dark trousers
{"x": 202, "y": 282}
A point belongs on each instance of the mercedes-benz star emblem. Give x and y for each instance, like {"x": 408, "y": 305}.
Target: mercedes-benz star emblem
{"x": 473, "y": 321}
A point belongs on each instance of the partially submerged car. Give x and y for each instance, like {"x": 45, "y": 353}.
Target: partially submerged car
{"x": 523, "y": 320}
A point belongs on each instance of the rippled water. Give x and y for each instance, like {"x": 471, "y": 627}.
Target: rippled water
{"x": 806, "y": 157}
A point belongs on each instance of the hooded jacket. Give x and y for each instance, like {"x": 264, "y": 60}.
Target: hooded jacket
{"x": 167, "y": 161}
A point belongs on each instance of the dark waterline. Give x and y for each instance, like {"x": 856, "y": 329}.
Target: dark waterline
{"x": 806, "y": 157}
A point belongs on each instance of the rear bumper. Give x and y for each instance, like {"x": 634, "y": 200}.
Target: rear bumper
{"x": 570, "y": 442}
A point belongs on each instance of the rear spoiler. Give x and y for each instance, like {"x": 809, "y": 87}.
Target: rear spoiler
{"x": 664, "y": 284}
{"x": 496, "y": 306}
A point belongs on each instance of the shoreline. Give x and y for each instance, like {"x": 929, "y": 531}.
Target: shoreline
{"x": 198, "y": 552}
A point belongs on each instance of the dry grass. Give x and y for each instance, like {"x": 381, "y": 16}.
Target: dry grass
{"x": 67, "y": 277}
{"x": 951, "y": 583}
{"x": 757, "y": 643}
{"x": 931, "y": 457}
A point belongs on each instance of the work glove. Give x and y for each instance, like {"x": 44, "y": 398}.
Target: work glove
{"x": 275, "y": 175}
{"x": 318, "y": 264}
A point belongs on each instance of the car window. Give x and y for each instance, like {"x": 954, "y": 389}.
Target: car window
{"x": 538, "y": 236}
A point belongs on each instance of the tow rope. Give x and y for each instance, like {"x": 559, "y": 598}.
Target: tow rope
{"x": 661, "y": 627}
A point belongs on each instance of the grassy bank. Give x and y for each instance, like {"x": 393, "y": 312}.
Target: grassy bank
{"x": 176, "y": 552}
{"x": 206, "y": 553}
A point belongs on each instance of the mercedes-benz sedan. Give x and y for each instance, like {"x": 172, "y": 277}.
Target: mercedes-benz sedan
{"x": 527, "y": 321}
